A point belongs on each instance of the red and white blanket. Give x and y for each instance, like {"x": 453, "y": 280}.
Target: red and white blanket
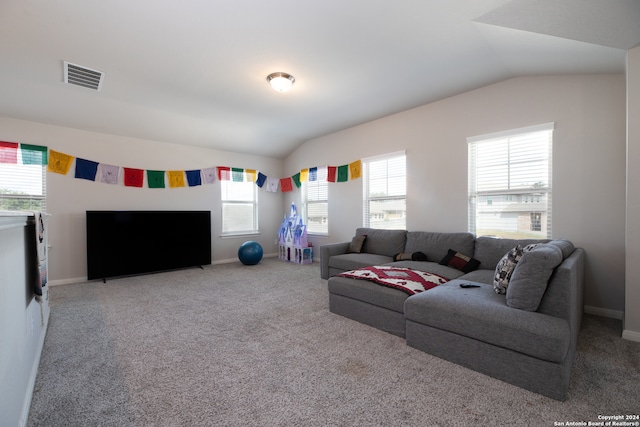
{"x": 405, "y": 279}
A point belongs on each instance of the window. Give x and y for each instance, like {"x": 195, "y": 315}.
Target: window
{"x": 315, "y": 199}
{"x": 510, "y": 183}
{"x": 239, "y": 207}
{"x": 23, "y": 181}
{"x": 385, "y": 191}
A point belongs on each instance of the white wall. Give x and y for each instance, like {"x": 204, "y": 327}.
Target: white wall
{"x": 632, "y": 291}
{"x": 588, "y": 165}
{"x": 68, "y": 198}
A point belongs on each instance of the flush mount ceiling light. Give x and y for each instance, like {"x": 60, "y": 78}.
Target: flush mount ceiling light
{"x": 281, "y": 82}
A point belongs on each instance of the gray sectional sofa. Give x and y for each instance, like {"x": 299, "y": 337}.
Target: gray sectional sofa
{"x": 506, "y": 336}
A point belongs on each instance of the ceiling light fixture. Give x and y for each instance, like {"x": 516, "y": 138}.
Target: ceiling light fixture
{"x": 281, "y": 82}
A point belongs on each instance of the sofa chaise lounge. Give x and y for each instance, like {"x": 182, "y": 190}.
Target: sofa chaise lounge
{"x": 525, "y": 335}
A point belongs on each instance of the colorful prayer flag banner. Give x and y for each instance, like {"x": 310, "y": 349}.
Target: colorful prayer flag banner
{"x": 272, "y": 185}
{"x": 155, "y": 179}
{"x": 331, "y": 173}
{"x": 59, "y": 162}
{"x": 250, "y": 174}
{"x": 86, "y": 169}
{"x": 261, "y": 179}
{"x": 343, "y": 173}
{"x": 355, "y": 169}
{"x": 313, "y": 174}
{"x": 109, "y": 174}
{"x": 209, "y": 175}
{"x": 323, "y": 172}
{"x": 34, "y": 154}
{"x": 304, "y": 175}
{"x": 8, "y": 152}
{"x": 176, "y": 179}
{"x": 194, "y": 178}
{"x": 286, "y": 185}
{"x": 132, "y": 177}
{"x": 224, "y": 173}
{"x": 296, "y": 180}
{"x": 237, "y": 175}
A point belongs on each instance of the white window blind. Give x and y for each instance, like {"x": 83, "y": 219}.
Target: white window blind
{"x": 239, "y": 207}
{"x": 510, "y": 183}
{"x": 385, "y": 191}
{"x": 23, "y": 186}
{"x": 315, "y": 196}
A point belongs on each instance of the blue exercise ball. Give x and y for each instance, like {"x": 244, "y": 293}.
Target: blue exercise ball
{"x": 250, "y": 253}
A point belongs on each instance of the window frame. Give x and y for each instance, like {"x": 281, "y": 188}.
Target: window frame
{"x": 306, "y": 202}
{"x": 398, "y": 191}
{"x": 529, "y": 158}
{"x": 31, "y": 201}
{"x": 229, "y": 201}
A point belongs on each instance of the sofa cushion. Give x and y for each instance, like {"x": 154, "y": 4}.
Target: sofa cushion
{"x": 369, "y": 292}
{"x": 481, "y": 314}
{"x": 383, "y": 242}
{"x": 529, "y": 280}
{"x": 352, "y": 261}
{"x": 481, "y": 276}
{"x": 410, "y": 256}
{"x": 507, "y": 265}
{"x": 430, "y": 267}
{"x": 565, "y": 246}
{"x": 489, "y": 250}
{"x": 435, "y": 245}
{"x": 460, "y": 261}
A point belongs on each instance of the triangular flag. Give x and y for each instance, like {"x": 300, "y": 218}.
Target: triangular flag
{"x": 109, "y": 173}
{"x": 155, "y": 179}
{"x": 194, "y": 178}
{"x": 343, "y": 173}
{"x": 285, "y": 184}
{"x": 237, "y": 174}
{"x": 176, "y": 179}
{"x": 296, "y": 180}
{"x": 261, "y": 179}
{"x": 272, "y": 184}
{"x": 304, "y": 175}
{"x": 313, "y": 174}
{"x": 331, "y": 173}
{"x": 59, "y": 162}
{"x": 86, "y": 169}
{"x": 250, "y": 174}
{"x": 209, "y": 175}
{"x": 224, "y": 173}
{"x": 8, "y": 152}
{"x": 132, "y": 177}
{"x": 355, "y": 169}
{"x": 34, "y": 154}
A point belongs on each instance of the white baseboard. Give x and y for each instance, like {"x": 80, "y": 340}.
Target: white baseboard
{"x": 66, "y": 281}
{"x": 631, "y": 335}
{"x": 604, "y": 312}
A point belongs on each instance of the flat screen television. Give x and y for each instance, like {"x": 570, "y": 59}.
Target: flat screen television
{"x": 125, "y": 243}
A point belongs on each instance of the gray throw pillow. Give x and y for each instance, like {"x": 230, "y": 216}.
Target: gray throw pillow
{"x": 356, "y": 243}
{"x": 529, "y": 279}
{"x": 506, "y": 265}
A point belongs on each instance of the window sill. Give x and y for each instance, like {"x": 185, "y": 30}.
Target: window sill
{"x": 239, "y": 234}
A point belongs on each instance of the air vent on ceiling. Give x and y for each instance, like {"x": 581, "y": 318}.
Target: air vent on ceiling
{"x": 82, "y": 76}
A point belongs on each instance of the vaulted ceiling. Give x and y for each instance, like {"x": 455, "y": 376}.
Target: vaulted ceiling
{"x": 194, "y": 71}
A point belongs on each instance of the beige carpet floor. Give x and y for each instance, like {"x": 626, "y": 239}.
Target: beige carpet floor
{"x": 234, "y": 345}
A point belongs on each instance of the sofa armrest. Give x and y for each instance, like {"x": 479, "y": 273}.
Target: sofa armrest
{"x": 564, "y": 296}
{"x": 326, "y": 252}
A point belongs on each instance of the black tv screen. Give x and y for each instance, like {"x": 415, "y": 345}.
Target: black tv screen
{"x": 124, "y": 243}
